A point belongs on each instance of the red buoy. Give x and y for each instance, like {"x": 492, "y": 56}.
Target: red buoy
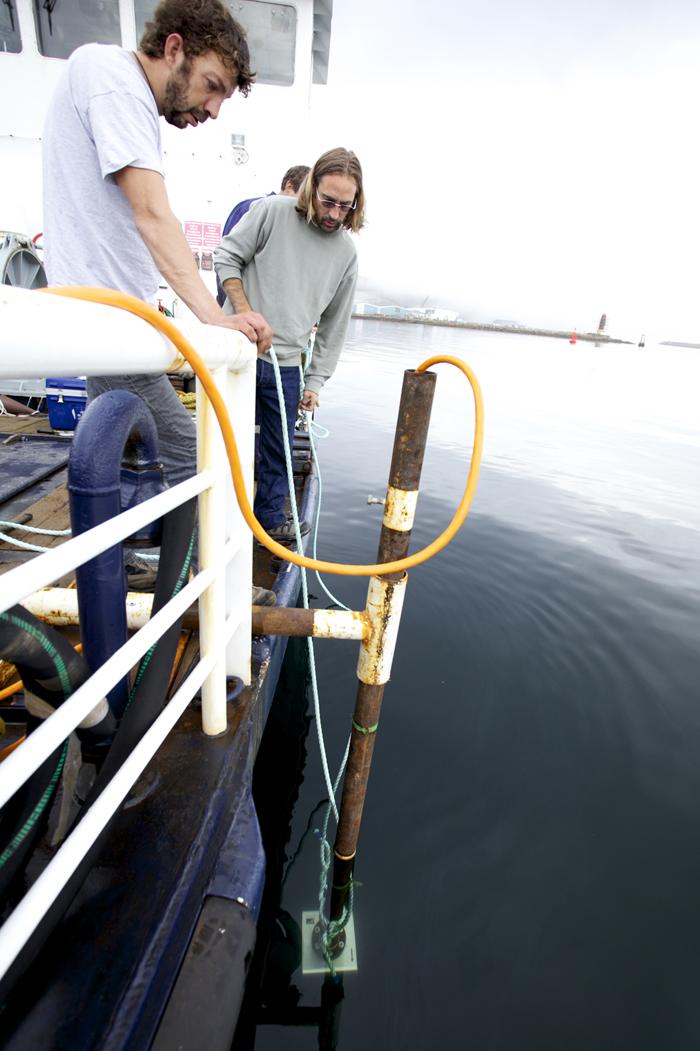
{"x": 573, "y": 337}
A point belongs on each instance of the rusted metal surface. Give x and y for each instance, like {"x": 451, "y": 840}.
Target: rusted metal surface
{"x": 374, "y": 665}
{"x": 341, "y": 624}
{"x": 342, "y": 875}
{"x": 384, "y": 605}
{"x": 407, "y": 459}
{"x": 412, "y": 429}
{"x": 269, "y": 620}
{"x": 368, "y": 706}
{"x": 60, "y": 606}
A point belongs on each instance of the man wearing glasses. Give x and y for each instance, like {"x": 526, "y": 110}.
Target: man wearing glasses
{"x": 293, "y": 262}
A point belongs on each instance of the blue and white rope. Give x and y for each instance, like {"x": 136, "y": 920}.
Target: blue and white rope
{"x": 330, "y": 928}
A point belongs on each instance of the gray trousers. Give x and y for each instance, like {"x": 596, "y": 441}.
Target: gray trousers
{"x": 177, "y": 436}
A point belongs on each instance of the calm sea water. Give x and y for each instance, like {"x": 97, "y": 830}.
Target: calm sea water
{"x": 530, "y": 854}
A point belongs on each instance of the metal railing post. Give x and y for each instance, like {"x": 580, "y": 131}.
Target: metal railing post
{"x": 240, "y": 403}
{"x": 224, "y": 541}
{"x": 211, "y": 456}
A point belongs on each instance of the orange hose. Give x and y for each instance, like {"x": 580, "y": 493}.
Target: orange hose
{"x": 9, "y": 748}
{"x": 143, "y": 310}
{"x": 13, "y": 688}
{"x": 182, "y": 642}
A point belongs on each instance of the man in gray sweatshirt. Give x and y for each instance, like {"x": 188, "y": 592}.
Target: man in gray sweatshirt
{"x": 293, "y": 262}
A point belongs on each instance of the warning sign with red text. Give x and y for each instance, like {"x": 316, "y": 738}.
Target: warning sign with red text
{"x": 193, "y": 233}
{"x": 211, "y": 237}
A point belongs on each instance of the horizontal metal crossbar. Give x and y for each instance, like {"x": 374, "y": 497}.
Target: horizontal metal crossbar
{"x": 39, "y": 898}
{"x": 22, "y": 763}
{"x": 45, "y": 568}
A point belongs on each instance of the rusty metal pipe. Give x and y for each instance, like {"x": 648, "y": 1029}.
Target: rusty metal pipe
{"x": 318, "y": 623}
{"x": 60, "y": 606}
{"x": 374, "y": 666}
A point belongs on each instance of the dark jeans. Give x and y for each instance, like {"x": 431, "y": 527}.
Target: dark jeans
{"x": 272, "y": 471}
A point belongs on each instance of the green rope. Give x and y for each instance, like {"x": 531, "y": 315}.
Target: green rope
{"x": 331, "y": 928}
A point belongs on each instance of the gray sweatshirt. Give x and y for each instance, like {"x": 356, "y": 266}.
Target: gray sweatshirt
{"x": 295, "y": 275}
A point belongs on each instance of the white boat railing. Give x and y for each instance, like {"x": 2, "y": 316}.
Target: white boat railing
{"x": 44, "y": 335}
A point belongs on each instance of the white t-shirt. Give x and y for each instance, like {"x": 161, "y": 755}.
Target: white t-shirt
{"x": 102, "y": 118}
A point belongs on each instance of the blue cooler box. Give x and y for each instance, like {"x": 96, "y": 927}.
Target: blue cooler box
{"x": 66, "y": 397}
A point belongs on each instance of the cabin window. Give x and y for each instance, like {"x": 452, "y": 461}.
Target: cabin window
{"x": 63, "y": 25}
{"x": 10, "y": 40}
{"x": 271, "y": 30}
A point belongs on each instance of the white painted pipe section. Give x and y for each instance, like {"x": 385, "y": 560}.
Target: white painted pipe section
{"x": 34, "y": 575}
{"x": 384, "y": 606}
{"x": 400, "y": 508}
{"x": 21, "y": 764}
{"x": 340, "y": 624}
{"x": 55, "y": 606}
{"x": 36, "y": 902}
{"x": 60, "y": 606}
{"x": 44, "y": 335}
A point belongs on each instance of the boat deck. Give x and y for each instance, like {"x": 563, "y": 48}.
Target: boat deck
{"x": 44, "y": 502}
{"x": 33, "y": 460}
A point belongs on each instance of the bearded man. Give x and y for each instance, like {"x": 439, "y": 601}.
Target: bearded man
{"x": 107, "y": 219}
{"x": 294, "y": 261}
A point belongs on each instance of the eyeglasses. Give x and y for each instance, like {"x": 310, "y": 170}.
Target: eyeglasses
{"x": 330, "y": 202}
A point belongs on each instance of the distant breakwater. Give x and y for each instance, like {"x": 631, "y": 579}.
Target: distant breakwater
{"x": 484, "y": 326}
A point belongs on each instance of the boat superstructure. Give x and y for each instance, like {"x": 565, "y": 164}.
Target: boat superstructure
{"x": 242, "y": 153}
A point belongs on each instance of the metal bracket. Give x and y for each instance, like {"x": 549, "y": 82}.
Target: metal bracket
{"x": 311, "y": 962}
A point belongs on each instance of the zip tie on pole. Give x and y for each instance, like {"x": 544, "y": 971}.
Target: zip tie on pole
{"x": 365, "y": 729}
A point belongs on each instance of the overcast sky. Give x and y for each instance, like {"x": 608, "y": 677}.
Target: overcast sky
{"x": 536, "y": 161}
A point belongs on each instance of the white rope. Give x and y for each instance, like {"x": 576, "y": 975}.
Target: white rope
{"x": 330, "y": 928}
{"x": 304, "y": 587}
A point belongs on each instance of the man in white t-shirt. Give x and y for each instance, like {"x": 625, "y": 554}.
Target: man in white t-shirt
{"x": 107, "y": 219}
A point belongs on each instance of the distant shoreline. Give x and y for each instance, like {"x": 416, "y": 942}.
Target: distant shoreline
{"x": 484, "y": 326}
